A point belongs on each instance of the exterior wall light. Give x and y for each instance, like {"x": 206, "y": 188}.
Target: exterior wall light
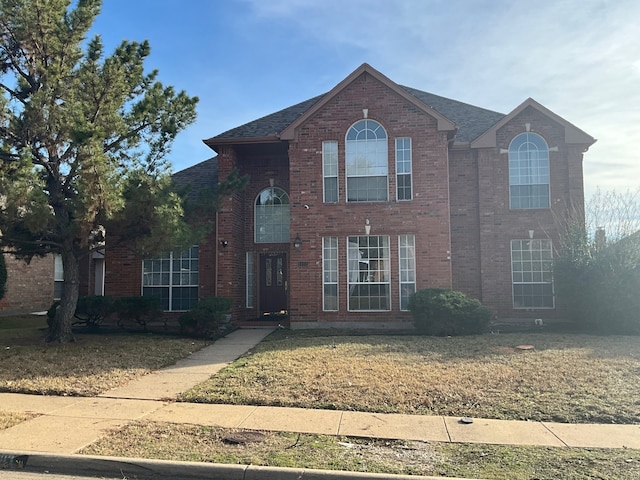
{"x": 224, "y": 243}
{"x": 367, "y": 227}
{"x": 297, "y": 243}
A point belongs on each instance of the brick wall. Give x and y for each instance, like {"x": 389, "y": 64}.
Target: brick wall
{"x": 29, "y": 286}
{"x": 426, "y": 216}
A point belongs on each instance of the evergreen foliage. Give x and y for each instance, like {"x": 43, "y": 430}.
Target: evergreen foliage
{"x": 438, "y": 311}
{"x": 84, "y": 138}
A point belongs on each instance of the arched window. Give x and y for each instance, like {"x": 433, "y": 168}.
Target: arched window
{"x": 528, "y": 172}
{"x": 272, "y": 216}
{"x": 367, "y": 162}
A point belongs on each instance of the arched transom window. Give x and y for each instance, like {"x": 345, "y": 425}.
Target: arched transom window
{"x": 272, "y": 216}
{"x": 528, "y": 172}
{"x": 367, "y": 162}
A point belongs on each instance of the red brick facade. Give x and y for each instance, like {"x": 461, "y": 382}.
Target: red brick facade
{"x": 459, "y": 213}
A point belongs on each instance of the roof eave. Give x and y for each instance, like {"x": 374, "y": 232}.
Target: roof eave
{"x": 218, "y": 142}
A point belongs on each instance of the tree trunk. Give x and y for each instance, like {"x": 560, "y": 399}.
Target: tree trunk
{"x": 60, "y": 326}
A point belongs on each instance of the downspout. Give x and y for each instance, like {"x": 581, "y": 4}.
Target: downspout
{"x": 217, "y": 242}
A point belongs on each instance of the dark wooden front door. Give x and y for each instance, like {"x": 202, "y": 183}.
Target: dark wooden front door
{"x": 273, "y": 284}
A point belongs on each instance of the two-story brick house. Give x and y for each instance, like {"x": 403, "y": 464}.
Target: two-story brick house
{"x": 363, "y": 195}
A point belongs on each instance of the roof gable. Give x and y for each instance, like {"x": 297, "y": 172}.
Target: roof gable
{"x": 443, "y": 122}
{"x": 572, "y": 133}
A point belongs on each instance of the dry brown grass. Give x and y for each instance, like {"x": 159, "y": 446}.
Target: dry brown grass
{"x": 91, "y": 365}
{"x": 205, "y": 444}
{"x": 9, "y": 419}
{"x": 566, "y": 378}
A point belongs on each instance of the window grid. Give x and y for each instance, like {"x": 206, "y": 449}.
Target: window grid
{"x": 330, "y": 274}
{"x": 531, "y": 268}
{"x": 407, "y": 268}
{"x": 368, "y": 273}
{"x": 367, "y": 162}
{"x": 173, "y": 279}
{"x": 272, "y": 216}
{"x": 403, "y": 169}
{"x": 250, "y": 277}
{"x": 528, "y": 172}
{"x": 330, "y": 171}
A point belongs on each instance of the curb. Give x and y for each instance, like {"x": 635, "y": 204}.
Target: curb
{"x": 144, "y": 469}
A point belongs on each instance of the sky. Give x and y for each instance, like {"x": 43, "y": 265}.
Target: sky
{"x": 248, "y": 58}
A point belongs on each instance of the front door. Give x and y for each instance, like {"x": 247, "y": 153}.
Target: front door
{"x": 273, "y": 284}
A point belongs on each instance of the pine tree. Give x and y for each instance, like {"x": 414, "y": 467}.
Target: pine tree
{"x": 82, "y": 135}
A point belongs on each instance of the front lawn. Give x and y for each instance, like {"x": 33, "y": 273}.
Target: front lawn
{"x": 563, "y": 378}
{"x": 93, "y": 364}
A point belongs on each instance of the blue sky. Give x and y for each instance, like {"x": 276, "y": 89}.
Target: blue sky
{"x": 248, "y": 58}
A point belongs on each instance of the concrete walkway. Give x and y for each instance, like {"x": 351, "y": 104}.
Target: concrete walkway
{"x": 65, "y": 425}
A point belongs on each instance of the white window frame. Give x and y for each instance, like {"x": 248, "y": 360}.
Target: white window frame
{"x": 406, "y": 269}
{"x": 330, "y": 272}
{"x": 272, "y": 215}
{"x": 150, "y": 275}
{"x": 330, "y": 169}
{"x": 367, "y": 156}
{"x": 58, "y": 276}
{"x": 404, "y": 162}
{"x": 358, "y": 278}
{"x": 529, "y": 167}
{"x": 532, "y": 266}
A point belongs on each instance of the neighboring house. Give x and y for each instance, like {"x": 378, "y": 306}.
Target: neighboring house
{"x": 361, "y": 196}
{"x": 30, "y": 286}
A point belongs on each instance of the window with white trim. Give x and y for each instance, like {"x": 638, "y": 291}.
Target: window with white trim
{"x": 403, "y": 169}
{"x": 330, "y": 274}
{"x": 528, "y": 172}
{"x": 330, "y": 171}
{"x": 58, "y": 277}
{"x": 407, "y": 269}
{"x": 367, "y": 162}
{"x": 531, "y": 269}
{"x": 272, "y": 216}
{"x": 173, "y": 278}
{"x": 250, "y": 278}
{"x": 369, "y": 278}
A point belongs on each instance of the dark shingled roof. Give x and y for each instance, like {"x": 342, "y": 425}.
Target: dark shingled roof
{"x": 272, "y": 124}
{"x": 198, "y": 177}
{"x": 471, "y": 121}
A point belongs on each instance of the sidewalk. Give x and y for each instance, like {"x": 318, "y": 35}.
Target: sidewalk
{"x": 67, "y": 424}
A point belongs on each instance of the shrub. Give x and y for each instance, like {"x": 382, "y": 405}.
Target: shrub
{"x": 93, "y": 309}
{"x": 137, "y": 309}
{"x": 3, "y": 276}
{"x": 438, "y": 311}
{"x": 206, "y": 316}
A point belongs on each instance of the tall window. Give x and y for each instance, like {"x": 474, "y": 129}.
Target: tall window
{"x": 272, "y": 216}
{"x": 407, "y": 256}
{"x": 250, "y": 278}
{"x": 58, "y": 277}
{"x": 367, "y": 162}
{"x": 173, "y": 278}
{"x": 330, "y": 171}
{"x": 531, "y": 266}
{"x": 403, "y": 168}
{"x": 330, "y": 273}
{"x": 369, "y": 273}
{"x": 528, "y": 172}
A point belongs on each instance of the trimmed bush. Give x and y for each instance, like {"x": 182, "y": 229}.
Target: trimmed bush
{"x": 140, "y": 310}
{"x": 438, "y": 311}
{"x": 3, "y": 276}
{"x": 93, "y": 309}
{"x": 206, "y": 316}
